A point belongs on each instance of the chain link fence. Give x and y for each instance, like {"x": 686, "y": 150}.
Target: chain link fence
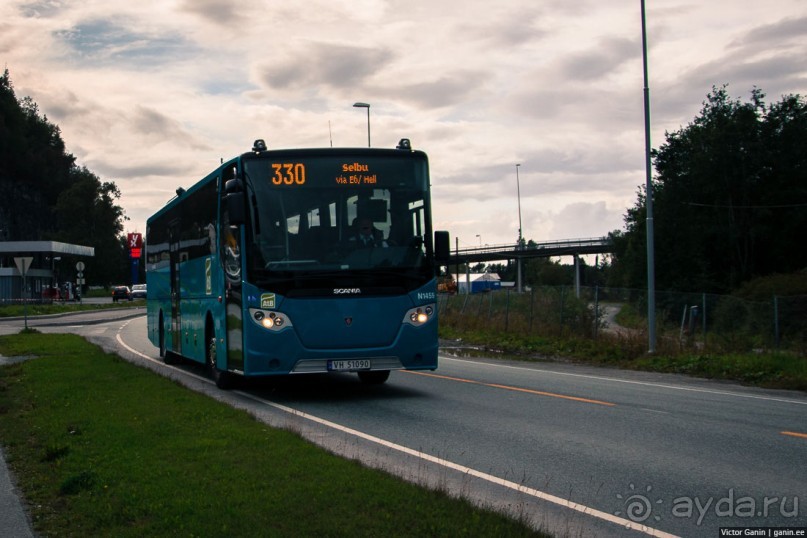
{"x": 684, "y": 321}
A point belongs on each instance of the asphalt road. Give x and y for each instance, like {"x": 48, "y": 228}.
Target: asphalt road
{"x": 582, "y": 451}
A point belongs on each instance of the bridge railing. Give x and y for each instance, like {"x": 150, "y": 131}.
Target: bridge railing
{"x": 555, "y": 243}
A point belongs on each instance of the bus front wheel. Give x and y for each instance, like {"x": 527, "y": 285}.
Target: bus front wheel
{"x": 223, "y": 380}
{"x": 376, "y": 377}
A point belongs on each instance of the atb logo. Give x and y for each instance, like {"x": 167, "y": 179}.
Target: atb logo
{"x": 638, "y": 507}
{"x": 267, "y": 300}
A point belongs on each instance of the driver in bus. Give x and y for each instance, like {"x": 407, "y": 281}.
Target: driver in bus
{"x": 366, "y": 235}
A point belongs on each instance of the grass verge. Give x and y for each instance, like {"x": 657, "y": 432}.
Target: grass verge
{"x": 101, "y": 447}
{"x": 772, "y": 370}
{"x": 9, "y": 311}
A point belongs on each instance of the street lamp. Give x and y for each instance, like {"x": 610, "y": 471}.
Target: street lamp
{"x": 651, "y": 256}
{"x": 520, "y": 239}
{"x": 518, "y": 190}
{"x": 480, "y": 239}
{"x": 367, "y": 106}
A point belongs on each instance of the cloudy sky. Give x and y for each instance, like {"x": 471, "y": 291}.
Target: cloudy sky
{"x": 152, "y": 94}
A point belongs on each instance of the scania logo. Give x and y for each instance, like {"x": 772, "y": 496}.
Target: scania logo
{"x": 347, "y": 291}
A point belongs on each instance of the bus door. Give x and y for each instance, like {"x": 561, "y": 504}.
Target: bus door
{"x": 176, "y": 315}
{"x": 231, "y": 261}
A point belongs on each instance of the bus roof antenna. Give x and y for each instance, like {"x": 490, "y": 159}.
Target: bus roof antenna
{"x": 259, "y": 145}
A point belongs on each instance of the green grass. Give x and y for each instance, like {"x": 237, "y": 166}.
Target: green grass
{"x": 9, "y": 311}
{"x": 771, "y": 369}
{"x": 101, "y": 447}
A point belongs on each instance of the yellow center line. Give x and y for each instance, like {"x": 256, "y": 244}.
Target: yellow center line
{"x": 515, "y": 389}
{"x": 795, "y": 434}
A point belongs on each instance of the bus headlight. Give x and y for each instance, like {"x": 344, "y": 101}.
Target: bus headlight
{"x": 420, "y": 315}
{"x": 274, "y": 321}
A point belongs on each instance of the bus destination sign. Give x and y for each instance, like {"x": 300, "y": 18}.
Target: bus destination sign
{"x": 295, "y": 174}
{"x": 356, "y": 174}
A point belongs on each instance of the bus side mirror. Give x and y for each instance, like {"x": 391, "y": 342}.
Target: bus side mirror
{"x": 234, "y": 199}
{"x": 235, "y": 208}
{"x": 442, "y": 248}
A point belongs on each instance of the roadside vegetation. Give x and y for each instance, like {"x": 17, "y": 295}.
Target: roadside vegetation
{"x": 101, "y": 447}
{"x": 780, "y": 370}
{"x": 735, "y": 342}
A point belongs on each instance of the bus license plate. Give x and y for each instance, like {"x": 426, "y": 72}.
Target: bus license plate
{"x": 349, "y": 365}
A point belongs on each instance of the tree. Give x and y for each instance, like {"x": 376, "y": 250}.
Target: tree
{"x": 87, "y": 214}
{"x": 729, "y": 195}
{"x": 44, "y": 195}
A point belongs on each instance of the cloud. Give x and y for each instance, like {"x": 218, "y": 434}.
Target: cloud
{"x": 590, "y": 219}
{"x": 219, "y": 12}
{"x": 503, "y": 29}
{"x": 327, "y": 65}
{"x": 785, "y": 32}
{"x": 156, "y": 127}
{"x": 43, "y": 8}
{"x": 448, "y": 90}
{"x": 103, "y": 42}
{"x": 604, "y": 59}
{"x": 140, "y": 170}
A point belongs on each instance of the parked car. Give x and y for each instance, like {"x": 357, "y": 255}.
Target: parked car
{"x": 139, "y": 291}
{"x": 121, "y": 292}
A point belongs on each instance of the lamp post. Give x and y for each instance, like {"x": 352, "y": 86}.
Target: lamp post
{"x": 480, "y": 239}
{"x": 367, "y": 106}
{"x": 520, "y": 238}
{"x": 651, "y": 261}
{"x": 518, "y": 190}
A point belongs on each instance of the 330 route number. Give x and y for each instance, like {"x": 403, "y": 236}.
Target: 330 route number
{"x": 288, "y": 173}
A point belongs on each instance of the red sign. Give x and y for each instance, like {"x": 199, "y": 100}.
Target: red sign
{"x": 134, "y": 253}
{"x": 134, "y": 240}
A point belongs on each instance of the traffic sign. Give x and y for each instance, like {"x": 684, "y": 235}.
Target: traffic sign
{"x": 23, "y": 263}
{"x": 80, "y": 266}
{"x": 135, "y": 240}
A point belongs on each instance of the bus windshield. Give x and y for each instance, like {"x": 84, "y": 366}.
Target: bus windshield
{"x": 320, "y": 221}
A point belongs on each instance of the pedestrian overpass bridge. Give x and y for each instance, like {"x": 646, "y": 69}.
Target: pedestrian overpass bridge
{"x": 546, "y": 249}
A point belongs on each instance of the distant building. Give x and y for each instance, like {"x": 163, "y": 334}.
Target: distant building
{"x": 479, "y": 282}
{"x": 40, "y": 278}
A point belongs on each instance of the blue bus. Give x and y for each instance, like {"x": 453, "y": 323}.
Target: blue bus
{"x": 299, "y": 261}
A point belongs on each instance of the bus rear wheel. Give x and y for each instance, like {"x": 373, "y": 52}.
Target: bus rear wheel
{"x": 162, "y": 338}
{"x": 167, "y": 356}
{"x": 376, "y": 377}
{"x": 223, "y": 380}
